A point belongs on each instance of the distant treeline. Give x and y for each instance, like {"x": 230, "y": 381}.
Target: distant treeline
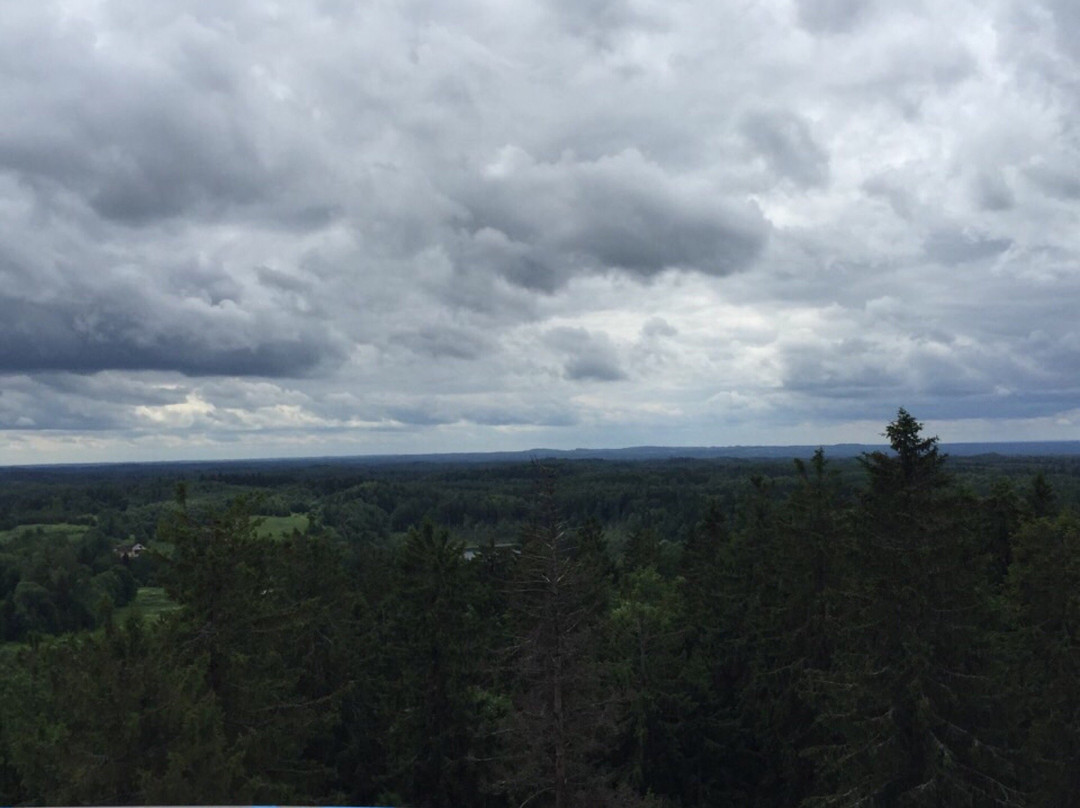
{"x": 889, "y": 630}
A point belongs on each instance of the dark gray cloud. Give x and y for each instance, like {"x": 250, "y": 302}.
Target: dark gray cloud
{"x": 849, "y": 368}
{"x": 992, "y": 191}
{"x": 539, "y": 224}
{"x": 114, "y": 335}
{"x": 593, "y": 368}
{"x": 56, "y": 403}
{"x": 952, "y": 247}
{"x": 785, "y": 141}
{"x": 115, "y": 388}
{"x": 599, "y": 20}
{"x": 134, "y": 165}
{"x": 445, "y": 342}
{"x": 1061, "y": 181}
{"x": 1066, "y": 17}
{"x": 154, "y": 122}
{"x": 508, "y": 414}
{"x": 918, "y": 356}
{"x": 283, "y": 280}
{"x": 589, "y": 356}
{"x": 892, "y": 189}
{"x": 832, "y": 16}
{"x": 658, "y": 327}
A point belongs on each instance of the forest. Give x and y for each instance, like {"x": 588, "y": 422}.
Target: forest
{"x": 897, "y": 629}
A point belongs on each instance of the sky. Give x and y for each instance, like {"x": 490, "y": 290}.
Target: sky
{"x": 320, "y": 227}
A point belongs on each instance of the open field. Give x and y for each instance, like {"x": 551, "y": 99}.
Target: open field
{"x": 59, "y": 530}
{"x": 279, "y": 527}
{"x": 150, "y": 602}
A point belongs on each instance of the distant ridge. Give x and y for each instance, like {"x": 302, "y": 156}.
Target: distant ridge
{"x": 1044, "y": 448}
{"x": 837, "y": 450}
{"x": 631, "y": 453}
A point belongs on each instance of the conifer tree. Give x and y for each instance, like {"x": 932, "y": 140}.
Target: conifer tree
{"x": 433, "y": 721}
{"x": 1041, "y": 498}
{"x": 647, "y": 637}
{"x": 788, "y": 630}
{"x": 106, "y": 719}
{"x": 719, "y": 570}
{"x": 563, "y": 710}
{"x": 267, "y": 623}
{"x": 1044, "y": 596}
{"x": 905, "y": 698}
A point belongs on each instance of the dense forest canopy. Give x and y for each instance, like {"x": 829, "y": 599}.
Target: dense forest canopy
{"x": 894, "y": 629}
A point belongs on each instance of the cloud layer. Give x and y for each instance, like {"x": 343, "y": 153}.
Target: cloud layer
{"x": 323, "y": 227}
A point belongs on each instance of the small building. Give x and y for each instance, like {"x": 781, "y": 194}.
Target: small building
{"x": 128, "y": 551}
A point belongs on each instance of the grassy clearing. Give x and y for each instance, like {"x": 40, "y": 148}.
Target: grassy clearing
{"x": 58, "y": 530}
{"x": 150, "y": 602}
{"x": 280, "y": 527}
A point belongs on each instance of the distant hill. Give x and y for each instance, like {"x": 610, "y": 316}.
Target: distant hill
{"x": 837, "y": 450}
{"x": 1047, "y": 448}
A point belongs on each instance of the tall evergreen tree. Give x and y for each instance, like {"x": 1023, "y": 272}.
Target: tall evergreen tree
{"x": 434, "y": 715}
{"x": 563, "y": 711}
{"x": 108, "y": 719}
{"x": 906, "y": 696}
{"x": 268, "y": 623}
{"x": 717, "y": 761}
{"x": 788, "y": 630}
{"x": 647, "y": 638}
{"x": 1041, "y": 498}
{"x": 1001, "y": 513}
{"x": 1044, "y": 688}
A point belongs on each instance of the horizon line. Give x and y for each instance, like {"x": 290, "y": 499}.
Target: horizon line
{"x": 1071, "y": 447}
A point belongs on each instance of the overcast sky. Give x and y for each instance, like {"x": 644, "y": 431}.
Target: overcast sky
{"x": 249, "y": 229}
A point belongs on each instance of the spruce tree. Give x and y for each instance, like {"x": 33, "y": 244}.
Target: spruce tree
{"x": 720, "y": 570}
{"x": 904, "y": 703}
{"x": 1044, "y": 685}
{"x": 267, "y": 623}
{"x": 563, "y": 710}
{"x": 788, "y": 631}
{"x": 433, "y": 715}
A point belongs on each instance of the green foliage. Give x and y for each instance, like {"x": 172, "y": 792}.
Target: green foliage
{"x": 787, "y": 626}
{"x": 905, "y": 701}
{"x": 149, "y": 603}
{"x": 563, "y": 714}
{"x": 896, "y": 630}
{"x": 267, "y": 621}
{"x": 1042, "y": 500}
{"x": 1044, "y": 597}
{"x": 281, "y": 527}
{"x": 646, "y": 632}
{"x": 56, "y": 581}
{"x": 435, "y": 713}
{"x": 103, "y": 719}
